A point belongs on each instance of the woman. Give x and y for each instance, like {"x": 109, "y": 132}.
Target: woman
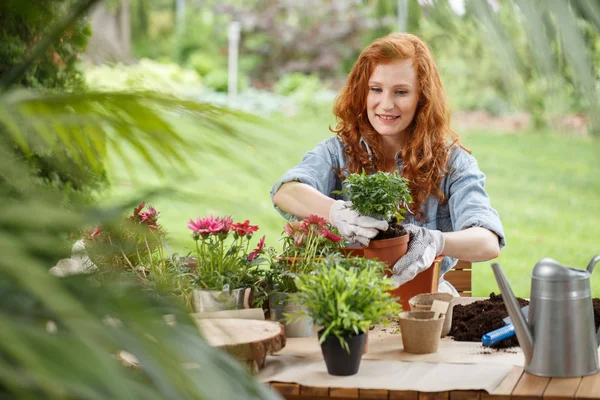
{"x": 392, "y": 116}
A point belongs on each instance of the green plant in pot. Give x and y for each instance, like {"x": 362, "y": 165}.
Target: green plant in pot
{"x": 305, "y": 243}
{"x": 346, "y": 296}
{"x": 384, "y": 196}
{"x": 224, "y": 269}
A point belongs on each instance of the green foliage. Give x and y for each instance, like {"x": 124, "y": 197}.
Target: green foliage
{"x": 94, "y": 322}
{"x": 21, "y": 27}
{"x": 146, "y": 75}
{"x": 380, "y": 195}
{"x": 346, "y": 296}
{"x": 218, "y": 79}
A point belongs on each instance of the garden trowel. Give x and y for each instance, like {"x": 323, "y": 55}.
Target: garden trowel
{"x": 505, "y": 332}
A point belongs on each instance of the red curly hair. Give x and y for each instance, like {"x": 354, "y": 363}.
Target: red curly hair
{"x": 427, "y": 147}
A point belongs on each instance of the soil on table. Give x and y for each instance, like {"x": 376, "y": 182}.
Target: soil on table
{"x": 471, "y": 321}
{"x": 394, "y": 230}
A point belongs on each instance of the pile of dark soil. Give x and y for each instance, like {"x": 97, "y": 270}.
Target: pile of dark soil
{"x": 470, "y": 322}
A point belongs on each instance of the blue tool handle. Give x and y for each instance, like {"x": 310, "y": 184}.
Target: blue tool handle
{"x": 499, "y": 334}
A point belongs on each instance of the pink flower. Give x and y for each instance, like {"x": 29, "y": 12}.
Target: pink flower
{"x": 244, "y": 228}
{"x": 258, "y": 250}
{"x": 210, "y": 225}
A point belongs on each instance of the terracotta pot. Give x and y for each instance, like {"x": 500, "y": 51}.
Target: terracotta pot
{"x": 352, "y": 251}
{"x": 423, "y": 302}
{"x": 390, "y": 251}
{"x": 420, "y": 332}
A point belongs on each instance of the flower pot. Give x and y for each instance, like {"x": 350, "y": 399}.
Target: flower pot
{"x": 279, "y": 303}
{"x": 219, "y": 300}
{"x": 338, "y": 361}
{"x": 390, "y": 251}
{"x": 423, "y": 302}
{"x": 420, "y": 332}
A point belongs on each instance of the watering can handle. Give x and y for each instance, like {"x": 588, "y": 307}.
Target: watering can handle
{"x": 592, "y": 263}
{"x": 589, "y": 269}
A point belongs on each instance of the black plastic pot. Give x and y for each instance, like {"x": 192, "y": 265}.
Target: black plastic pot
{"x": 338, "y": 361}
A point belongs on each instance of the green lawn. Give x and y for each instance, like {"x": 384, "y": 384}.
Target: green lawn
{"x": 545, "y": 187}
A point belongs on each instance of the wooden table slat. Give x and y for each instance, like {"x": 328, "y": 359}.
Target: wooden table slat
{"x": 530, "y": 387}
{"x": 561, "y": 388}
{"x": 465, "y": 395}
{"x": 404, "y": 395}
{"x": 434, "y": 395}
{"x": 374, "y": 394}
{"x": 589, "y": 388}
{"x": 286, "y": 389}
{"x": 349, "y": 393}
{"x": 310, "y": 391}
{"x": 506, "y": 387}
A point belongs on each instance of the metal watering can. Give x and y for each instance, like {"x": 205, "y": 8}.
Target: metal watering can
{"x": 560, "y": 339}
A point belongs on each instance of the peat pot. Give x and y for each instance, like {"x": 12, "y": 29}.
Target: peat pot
{"x": 423, "y": 302}
{"x": 220, "y": 300}
{"x": 338, "y": 361}
{"x": 420, "y": 331}
{"x": 281, "y": 304}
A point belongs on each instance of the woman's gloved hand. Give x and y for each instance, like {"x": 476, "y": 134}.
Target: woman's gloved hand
{"x": 353, "y": 226}
{"x": 424, "y": 246}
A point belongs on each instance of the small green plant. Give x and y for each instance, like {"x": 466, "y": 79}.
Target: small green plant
{"x": 382, "y": 195}
{"x": 346, "y": 296}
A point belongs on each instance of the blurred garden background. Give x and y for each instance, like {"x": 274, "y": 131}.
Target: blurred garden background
{"x": 108, "y": 103}
{"x": 518, "y": 94}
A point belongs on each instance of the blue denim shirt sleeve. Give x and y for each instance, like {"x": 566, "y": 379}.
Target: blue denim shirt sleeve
{"x": 317, "y": 169}
{"x": 468, "y": 201}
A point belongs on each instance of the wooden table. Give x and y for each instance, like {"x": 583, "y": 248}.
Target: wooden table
{"x": 517, "y": 385}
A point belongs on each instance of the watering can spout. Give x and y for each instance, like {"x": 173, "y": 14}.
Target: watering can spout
{"x": 522, "y": 329}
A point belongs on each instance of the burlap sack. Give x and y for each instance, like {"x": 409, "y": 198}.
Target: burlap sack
{"x": 423, "y": 302}
{"x": 420, "y": 332}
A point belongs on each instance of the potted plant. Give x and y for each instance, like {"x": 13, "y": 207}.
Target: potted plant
{"x": 386, "y": 196}
{"x": 304, "y": 244}
{"x": 345, "y": 296}
{"x": 224, "y": 269}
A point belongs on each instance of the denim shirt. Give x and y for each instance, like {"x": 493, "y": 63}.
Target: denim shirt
{"x": 467, "y": 205}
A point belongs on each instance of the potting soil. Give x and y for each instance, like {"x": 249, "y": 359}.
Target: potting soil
{"x": 471, "y": 321}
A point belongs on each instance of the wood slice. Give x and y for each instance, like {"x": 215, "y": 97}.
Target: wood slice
{"x": 247, "y": 340}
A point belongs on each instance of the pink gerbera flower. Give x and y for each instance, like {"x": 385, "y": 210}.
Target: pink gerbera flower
{"x": 258, "y": 250}
{"x": 314, "y": 220}
{"x": 210, "y": 225}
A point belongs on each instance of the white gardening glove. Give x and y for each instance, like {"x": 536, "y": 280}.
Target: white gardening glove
{"x": 424, "y": 246}
{"x": 353, "y": 226}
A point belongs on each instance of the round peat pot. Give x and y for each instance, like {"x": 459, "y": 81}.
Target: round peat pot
{"x": 420, "y": 332}
{"x": 423, "y": 302}
{"x": 338, "y": 361}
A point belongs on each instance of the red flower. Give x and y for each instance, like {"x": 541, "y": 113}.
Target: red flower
{"x": 136, "y": 211}
{"x": 244, "y": 228}
{"x": 258, "y": 250}
{"x": 210, "y": 225}
{"x": 326, "y": 233}
{"x": 95, "y": 232}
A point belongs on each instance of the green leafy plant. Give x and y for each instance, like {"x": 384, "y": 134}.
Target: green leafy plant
{"x": 382, "y": 195}
{"x": 346, "y": 296}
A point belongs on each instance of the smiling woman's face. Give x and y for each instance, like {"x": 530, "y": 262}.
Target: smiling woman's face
{"x": 393, "y": 97}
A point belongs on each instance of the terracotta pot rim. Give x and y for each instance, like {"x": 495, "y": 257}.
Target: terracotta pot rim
{"x": 383, "y": 243}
